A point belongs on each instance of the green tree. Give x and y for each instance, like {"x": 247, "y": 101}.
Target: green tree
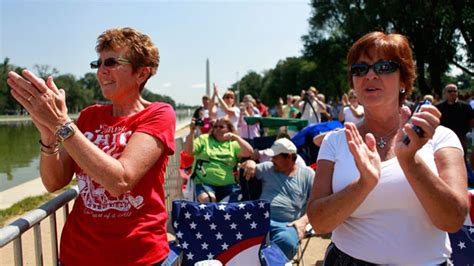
{"x": 76, "y": 97}
{"x": 251, "y": 84}
{"x": 8, "y": 104}
{"x": 90, "y": 83}
{"x": 432, "y": 27}
{"x": 153, "y": 97}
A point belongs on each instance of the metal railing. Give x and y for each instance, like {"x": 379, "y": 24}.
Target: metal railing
{"x": 14, "y": 231}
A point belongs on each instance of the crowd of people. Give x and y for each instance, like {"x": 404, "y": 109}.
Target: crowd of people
{"x": 389, "y": 182}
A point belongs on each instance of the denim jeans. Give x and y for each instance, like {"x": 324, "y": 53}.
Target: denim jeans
{"x": 220, "y": 191}
{"x": 285, "y": 237}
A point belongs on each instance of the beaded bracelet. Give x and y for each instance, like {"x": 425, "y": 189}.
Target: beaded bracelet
{"x": 52, "y": 146}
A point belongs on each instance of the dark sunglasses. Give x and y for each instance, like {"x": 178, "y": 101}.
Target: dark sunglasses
{"x": 228, "y": 97}
{"x": 220, "y": 126}
{"x": 109, "y": 62}
{"x": 452, "y": 91}
{"x": 380, "y": 68}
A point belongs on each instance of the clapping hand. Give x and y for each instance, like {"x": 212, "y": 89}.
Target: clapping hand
{"x": 43, "y": 100}
{"x": 427, "y": 119}
{"x": 365, "y": 154}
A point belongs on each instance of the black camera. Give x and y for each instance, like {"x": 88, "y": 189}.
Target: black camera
{"x": 199, "y": 122}
{"x": 306, "y": 96}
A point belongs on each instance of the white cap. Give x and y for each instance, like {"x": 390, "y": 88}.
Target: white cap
{"x": 208, "y": 263}
{"x": 282, "y": 145}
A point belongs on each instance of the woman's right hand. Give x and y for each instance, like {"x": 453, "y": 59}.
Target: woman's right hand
{"x": 345, "y": 99}
{"x": 216, "y": 92}
{"x": 192, "y": 125}
{"x": 365, "y": 155}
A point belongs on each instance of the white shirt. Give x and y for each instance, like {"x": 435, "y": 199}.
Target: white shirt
{"x": 234, "y": 119}
{"x": 349, "y": 115}
{"x": 313, "y": 116}
{"x": 390, "y": 226}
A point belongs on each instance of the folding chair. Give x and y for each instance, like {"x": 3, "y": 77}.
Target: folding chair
{"x": 233, "y": 233}
{"x": 462, "y": 242}
{"x": 251, "y": 190}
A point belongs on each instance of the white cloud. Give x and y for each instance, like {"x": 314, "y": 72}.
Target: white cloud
{"x": 166, "y": 85}
{"x": 198, "y": 85}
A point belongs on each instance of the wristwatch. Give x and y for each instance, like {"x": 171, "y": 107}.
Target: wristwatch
{"x": 65, "y": 131}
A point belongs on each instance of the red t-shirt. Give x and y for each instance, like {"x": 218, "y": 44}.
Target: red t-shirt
{"x": 129, "y": 229}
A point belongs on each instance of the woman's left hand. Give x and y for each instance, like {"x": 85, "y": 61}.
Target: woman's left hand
{"x": 427, "y": 119}
{"x": 365, "y": 154}
{"x": 230, "y": 136}
{"x": 43, "y": 100}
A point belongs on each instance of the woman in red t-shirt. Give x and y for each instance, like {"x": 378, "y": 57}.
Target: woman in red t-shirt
{"x": 117, "y": 151}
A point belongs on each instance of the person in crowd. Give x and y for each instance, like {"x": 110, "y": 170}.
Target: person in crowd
{"x": 286, "y": 185}
{"x": 293, "y": 113}
{"x": 352, "y": 112}
{"x": 247, "y": 108}
{"x": 380, "y": 188}
{"x": 456, "y": 114}
{"x": 310, "y": 107}
{"x": 262, "y": 108}
{"x": 286, "y": 108}
{"x": 471, "y": 99}
{"x": 226, "y": 107}
{"x": 260, "y": 155}
{"x": 428, "y": 97}
{"x": 118, "y": 153}
{"x": 201, "y": 116}
{"x": 219, "y": 151}
{"x": 326, "y": 113}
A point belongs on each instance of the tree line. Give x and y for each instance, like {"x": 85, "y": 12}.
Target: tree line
{"x": 440, "y": 32}
{"x": 80, "y": 93}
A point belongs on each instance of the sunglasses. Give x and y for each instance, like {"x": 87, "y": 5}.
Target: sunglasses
{"x": 452, "y": 91}
{"x": 220, "y": 126}
{"x": 380, "y": 68}
{"x": 109, "y": 62}
{"x": 228, "y": 97}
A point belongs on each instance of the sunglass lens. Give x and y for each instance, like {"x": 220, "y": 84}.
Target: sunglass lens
{"x": 95, "y": 64}
{"x": 385, "y": 67}
{"x": 110, "y": 62}
{"x": 359, "y": 69}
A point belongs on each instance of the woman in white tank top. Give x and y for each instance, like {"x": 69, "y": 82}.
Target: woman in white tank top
{"x": 388, "y": 198}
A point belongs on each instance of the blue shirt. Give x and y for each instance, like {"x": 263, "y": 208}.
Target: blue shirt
{"x": 287, "y": 195}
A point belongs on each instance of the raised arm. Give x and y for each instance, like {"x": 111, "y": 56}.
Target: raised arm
{"x": 212, "y": 104}
{"x": 246, "y": 149}
{"x": 47, "y": 104}
{"x": 442, "y": 195}
{"x": 189, "y": 142}
{"x": 227, "y": 109}
{"x": 355, "y": 112}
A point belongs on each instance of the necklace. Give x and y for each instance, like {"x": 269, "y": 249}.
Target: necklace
{"x": 381, "y": 143}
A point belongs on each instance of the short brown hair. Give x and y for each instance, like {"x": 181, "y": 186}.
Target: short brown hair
{"x": 395, "y": 47}
{"x": 227, "y": 122}
{"x": 141, "y": 50}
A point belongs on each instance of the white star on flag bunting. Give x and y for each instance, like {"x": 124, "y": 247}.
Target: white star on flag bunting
{"x": 462, "y": 241}
{"x": 231, "y": 233}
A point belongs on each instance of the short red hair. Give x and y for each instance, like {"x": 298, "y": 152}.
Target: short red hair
{"x": 395, "y": 47}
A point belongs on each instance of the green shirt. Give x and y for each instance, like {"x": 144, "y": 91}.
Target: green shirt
{"x": 222, "y": 157}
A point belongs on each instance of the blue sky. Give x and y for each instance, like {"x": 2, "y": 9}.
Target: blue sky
{"x": 236, "y": 36}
